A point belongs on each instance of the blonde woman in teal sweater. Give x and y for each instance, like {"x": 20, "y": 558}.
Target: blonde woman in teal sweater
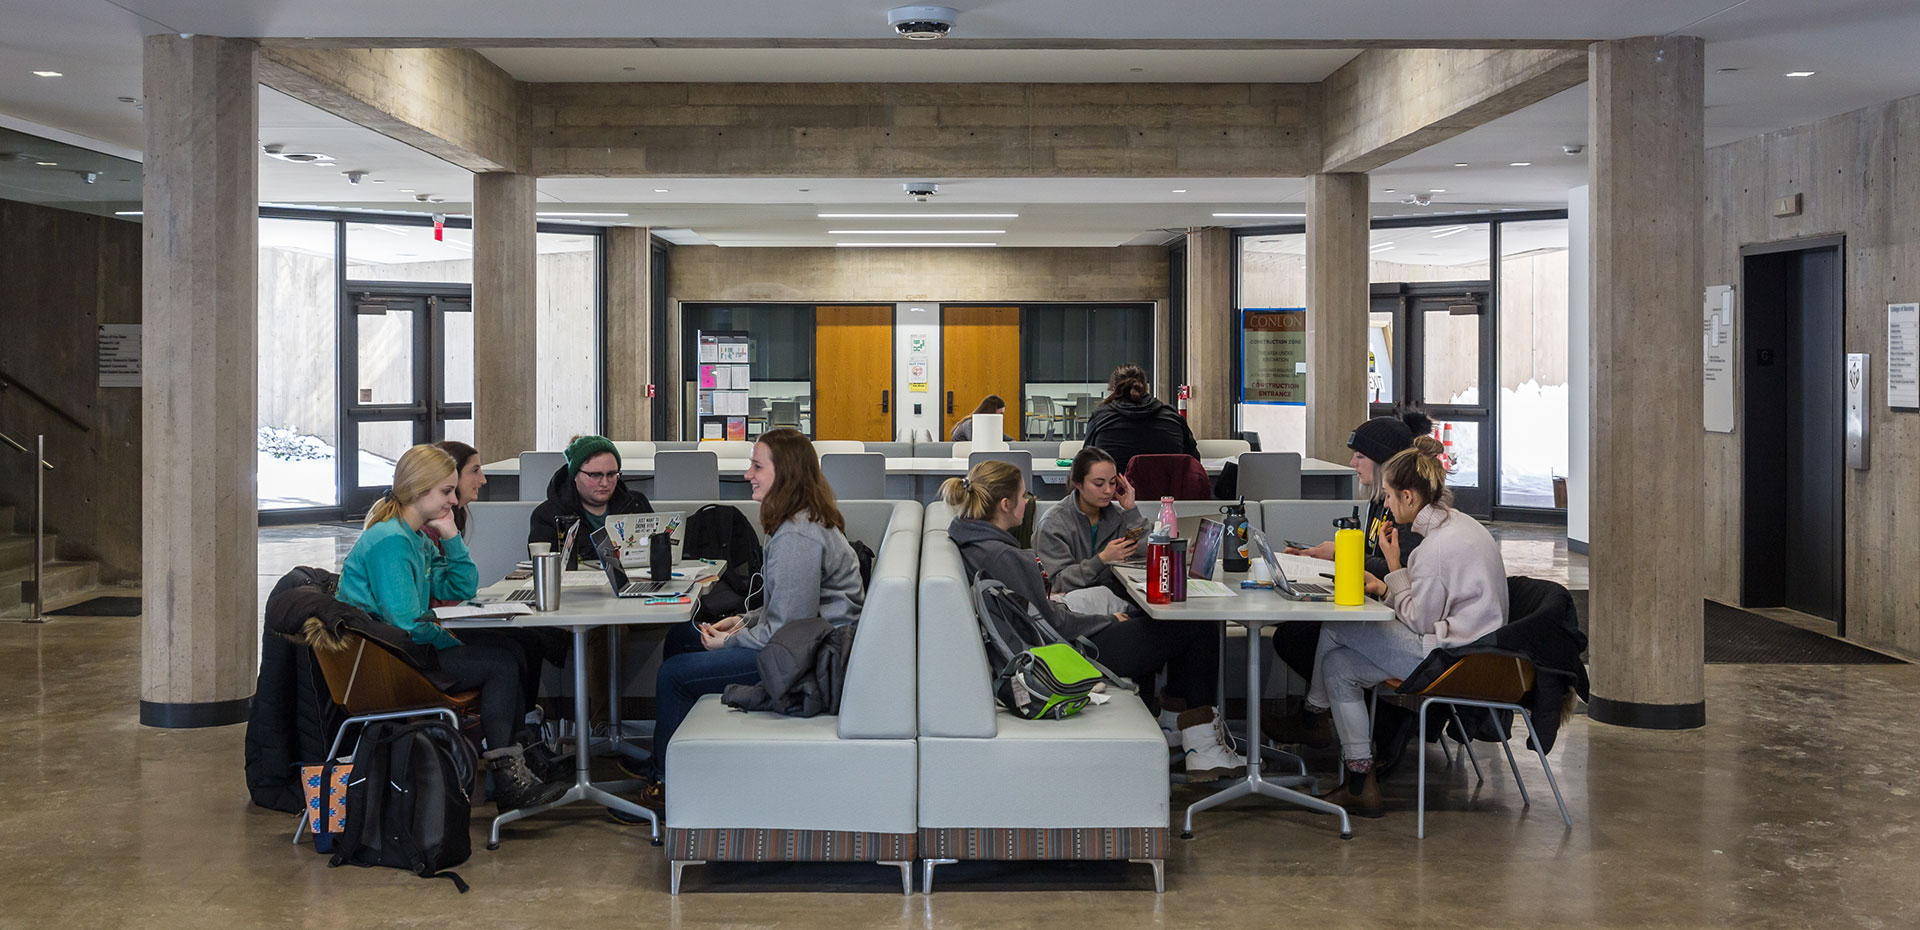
{"x": 396, "y": 570}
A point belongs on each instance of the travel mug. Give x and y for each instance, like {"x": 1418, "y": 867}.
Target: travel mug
{"x": 1177, "y": 576}
{"x": 660, "y": 556}
{"x": 546, "y": 581}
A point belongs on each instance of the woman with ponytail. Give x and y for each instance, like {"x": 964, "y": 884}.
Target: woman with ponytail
{"x": 395, "y": 570}
{"x": 1131, "y": 421}
{"x": 1450, "y": 591}
{"x": 989, "y": 502}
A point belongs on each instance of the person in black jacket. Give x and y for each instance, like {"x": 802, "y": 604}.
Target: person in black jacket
{"x": 986, "y": 504}
{"x": 1131, "y": 421}
{"x": 587, "y": 489}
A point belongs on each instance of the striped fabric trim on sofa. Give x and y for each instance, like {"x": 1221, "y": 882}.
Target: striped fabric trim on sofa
{"x": 1005, "y": 843}
{"x": 752, "y": 845}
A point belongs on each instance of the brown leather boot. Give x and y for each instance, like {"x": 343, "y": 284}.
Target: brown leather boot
{"x": 1359, "y": 794}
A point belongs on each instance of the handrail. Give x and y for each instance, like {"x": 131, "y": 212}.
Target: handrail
{"x": 9, "y": 381}
{"x": 9, "y": 440}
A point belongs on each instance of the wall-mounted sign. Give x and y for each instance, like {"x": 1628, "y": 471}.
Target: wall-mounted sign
{"x": 1717, "y": 342}
{"x": 917, "y": 371}
{"x": 1273, "y": 356}
{"x": 1903, "y": 356}
{"x": 119, "y": 351}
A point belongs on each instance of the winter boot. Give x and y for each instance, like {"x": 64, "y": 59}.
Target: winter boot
{"x": 1359, "y": 794}
{"x": 514, "y": 785}
{"x": 1170, "y": 728}
{"x": 1209, "y": 755}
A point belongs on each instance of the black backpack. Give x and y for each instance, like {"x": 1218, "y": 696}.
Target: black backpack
{"x": 1012, "y": 629}
{"x": 718, "y": 531}
{"x": 407, "y": 803}
{"x": 863, "y": 554}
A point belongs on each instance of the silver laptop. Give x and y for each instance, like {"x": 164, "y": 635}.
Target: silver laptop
{"x": 617, "y": 576}
{"x": 1282, "y": 585}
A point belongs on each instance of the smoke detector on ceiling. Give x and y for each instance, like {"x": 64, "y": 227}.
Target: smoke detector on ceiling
{"x": 920, "y": 190}
{"x": 276, "y": 150}
{"x": 922, "y": 23}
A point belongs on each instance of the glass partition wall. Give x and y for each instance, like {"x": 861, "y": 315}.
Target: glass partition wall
{"x": 1480, "y": 346}
{"x": 367, "y": 342}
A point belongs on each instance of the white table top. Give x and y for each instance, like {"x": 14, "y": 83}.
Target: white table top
{"x": 587, "y": 605}
{"x": 1254, "y": 605}
{"x": 1046, "y": 468}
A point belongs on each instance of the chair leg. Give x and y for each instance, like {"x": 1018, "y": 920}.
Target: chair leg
{"x": 1534, "y": 738}
{"x": 1466, "y": 742}
{"x": 1511, "y": 764}
{"x": 1420, "y": 749}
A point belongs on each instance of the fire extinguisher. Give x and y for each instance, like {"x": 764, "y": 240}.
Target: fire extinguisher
{"x": 1181, "y": 403}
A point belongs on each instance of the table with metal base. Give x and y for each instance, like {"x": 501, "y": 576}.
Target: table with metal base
{"x": 1253, "y": 609}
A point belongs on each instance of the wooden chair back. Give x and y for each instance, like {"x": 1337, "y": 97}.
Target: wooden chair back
{"x": 366, "y": 679}
{"x": 1484, "y": 677}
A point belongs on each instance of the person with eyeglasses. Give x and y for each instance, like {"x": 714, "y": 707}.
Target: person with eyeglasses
{"x": 587, "y": 488}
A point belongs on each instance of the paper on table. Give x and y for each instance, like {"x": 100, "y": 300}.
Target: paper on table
{"x": 472, "y": 611}
{"x": 1201, "y": 587}
{"x": 583, "y": 580}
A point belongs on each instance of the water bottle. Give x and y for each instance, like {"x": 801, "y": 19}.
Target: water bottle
{"x": 1233, "y": 558}
{"x": 1159, "y": 570}
{"x": 1168, "y": 519}
{"x": 1349, "y": 567}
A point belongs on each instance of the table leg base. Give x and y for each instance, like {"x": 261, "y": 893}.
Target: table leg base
{"x": 1255, "y": 784}
{"x": 582, "y": 791}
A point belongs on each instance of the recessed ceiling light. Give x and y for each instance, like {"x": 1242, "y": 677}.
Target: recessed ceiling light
{"x": 406, "y": 190}
{"x": 1461, "y": 164}
{"x": 127, "y": 212}
{"x": 124, "y": 99}
{"x": 917, "y": 216}
{"x": 1725, "y": 70}
{"x": 915, "y": 232}
{"x": 47, "y": 164}
{"x": 1386, "y": 190}
{"x": 915, "y": 245}
{"x": 585, "y": 214}
{"x": 1800, "y": 74}
{"x": 660, "y": 190}
{"x": 379, "y": 180}
{"x": 1437, "y": 190}
{"x": 58, "y": 74}
{"x": 1136, "y": 70}
{"x": 1519, "y": 164}
{"x": 1252, "y": 215}
{"x": 1179, "y": 190}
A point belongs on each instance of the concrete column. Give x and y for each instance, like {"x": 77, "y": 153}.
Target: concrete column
{"x": 1337, "y": 216}
{"x": 1211, "y": 330}
{"x": 505, "y": 325}
{"x": 199, "y": 262}
{"x": 1646, "y": 112}
{"x": 628, "y": 364}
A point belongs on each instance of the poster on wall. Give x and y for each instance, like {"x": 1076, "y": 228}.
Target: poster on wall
{"x": 1903, "y": 356}
{"x": 917, "y": 374}
{"x": 1273, "y": 356}
{"x": 1716, "y": 337}
{"x": 119, "y": 351}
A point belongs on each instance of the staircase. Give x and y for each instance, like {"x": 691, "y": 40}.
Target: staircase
{"x": 16, "y": 571}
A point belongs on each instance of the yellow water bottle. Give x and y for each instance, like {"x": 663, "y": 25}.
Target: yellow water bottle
{"x": 1349, "y": 567}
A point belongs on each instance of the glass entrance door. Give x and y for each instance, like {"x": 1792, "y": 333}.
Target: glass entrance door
{"x": 1439, "y": 360}
{"x": 406, "y": 376}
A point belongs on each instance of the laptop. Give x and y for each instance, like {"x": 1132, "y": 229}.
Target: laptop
{"x": 1282, "y": 585}
{"x": 617, "y": 576}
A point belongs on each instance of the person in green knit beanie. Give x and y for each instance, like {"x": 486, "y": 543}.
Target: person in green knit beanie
{"x": 587, "y": 489}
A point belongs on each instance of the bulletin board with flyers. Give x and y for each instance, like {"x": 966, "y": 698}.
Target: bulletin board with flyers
{"x": 725, "y": 381}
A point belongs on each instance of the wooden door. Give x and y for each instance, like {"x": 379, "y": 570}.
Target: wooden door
{"x": 979, "y": 355}
{"x": 853, "y": 373}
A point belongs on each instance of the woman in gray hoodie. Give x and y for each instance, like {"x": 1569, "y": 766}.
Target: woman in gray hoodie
{"x": 1450, "y": 591}
{"x": 987, "y": 503}
{"x": 810, "y": 571}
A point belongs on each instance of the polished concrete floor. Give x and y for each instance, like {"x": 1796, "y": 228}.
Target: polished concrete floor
{"x": 1797, "y": 806}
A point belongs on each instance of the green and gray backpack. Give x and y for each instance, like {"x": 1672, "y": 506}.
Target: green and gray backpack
{"x": 1039, "y": 673}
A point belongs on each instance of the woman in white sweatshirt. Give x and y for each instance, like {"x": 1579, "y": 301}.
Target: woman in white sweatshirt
{"x": 1449, "y": 591}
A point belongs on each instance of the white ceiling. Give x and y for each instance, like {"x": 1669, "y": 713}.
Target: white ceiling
{"x": 1861, "y": 49}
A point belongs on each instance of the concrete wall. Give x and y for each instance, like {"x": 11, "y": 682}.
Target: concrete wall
{"x": 65, "y": 273}
{"x": 712, "y": 273}
{"x": 1855, "y": 174}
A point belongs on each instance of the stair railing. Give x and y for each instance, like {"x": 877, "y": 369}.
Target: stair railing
{"x": 39, "y": 453}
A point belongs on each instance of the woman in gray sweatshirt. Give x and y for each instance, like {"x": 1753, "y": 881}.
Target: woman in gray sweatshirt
{"x": 1452, "y": 590}
{"x": 810, "y": 571}
{"x": 987, "y": 503}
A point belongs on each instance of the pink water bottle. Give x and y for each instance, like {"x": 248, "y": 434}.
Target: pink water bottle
{"x": 1167, "y": 518}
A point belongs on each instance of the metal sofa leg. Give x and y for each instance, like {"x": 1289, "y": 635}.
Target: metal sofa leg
{"x": 926, "y": 873}
{"x": 906, "y": 873}
{"x": 673, "y": 881}
{"x": 1159, "y": 873}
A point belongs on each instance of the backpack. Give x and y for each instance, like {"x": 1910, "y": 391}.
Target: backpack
{"x": 407, "y": 803}
{"x": 1040, "y": 674}
{"x": 863, "y": 554}
{"x": 718, "y": 531}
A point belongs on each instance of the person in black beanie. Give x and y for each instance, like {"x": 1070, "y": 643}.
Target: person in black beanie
{"x": 1373, "y": 443}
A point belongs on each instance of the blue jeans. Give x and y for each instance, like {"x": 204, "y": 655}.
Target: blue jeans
{"x": 1353, "y": 657}
{"x": 684, "y": 678}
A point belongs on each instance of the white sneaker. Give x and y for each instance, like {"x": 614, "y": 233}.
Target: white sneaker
{"x": 1170, "y": 728}
{"x": 1209, "y": 755}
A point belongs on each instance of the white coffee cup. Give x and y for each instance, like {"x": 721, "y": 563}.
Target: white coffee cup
{"x": 534, "y": 549}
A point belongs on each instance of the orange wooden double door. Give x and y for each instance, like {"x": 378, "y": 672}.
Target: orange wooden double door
{"x": 853, "y": 373}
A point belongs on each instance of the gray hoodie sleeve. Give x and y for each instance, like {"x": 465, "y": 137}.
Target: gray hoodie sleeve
{"x": 1017, "y": 570}
{"x": 1067, "y": 550}
{"x": 792, "y": 572}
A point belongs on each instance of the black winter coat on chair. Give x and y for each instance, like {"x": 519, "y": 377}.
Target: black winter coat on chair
{"x": 293, "y": 718}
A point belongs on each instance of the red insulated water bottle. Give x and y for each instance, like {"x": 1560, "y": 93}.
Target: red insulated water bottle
{"x": 1159, "y": 571}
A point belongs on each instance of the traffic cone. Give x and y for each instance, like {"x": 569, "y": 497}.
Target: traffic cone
{"x": 1446, "y": 443}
